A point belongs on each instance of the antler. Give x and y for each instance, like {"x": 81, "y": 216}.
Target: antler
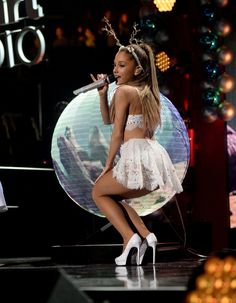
{"x": 132, "y": 39}
{"x": 110, "y": 31}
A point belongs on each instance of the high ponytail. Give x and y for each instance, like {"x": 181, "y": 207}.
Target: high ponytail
{"x": 150, "y": 95}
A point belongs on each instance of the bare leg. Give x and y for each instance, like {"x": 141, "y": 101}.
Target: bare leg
{"x": 102, "y": 195}
{"x": 136, "y": 220}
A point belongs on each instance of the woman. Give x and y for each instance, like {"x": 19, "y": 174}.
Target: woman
{"x": 144, "y": 165}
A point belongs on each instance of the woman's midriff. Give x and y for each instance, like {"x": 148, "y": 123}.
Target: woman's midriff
{"x": 136, "y": 133}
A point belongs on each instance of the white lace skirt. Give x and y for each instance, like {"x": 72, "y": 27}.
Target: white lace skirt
{"x": 144, "y": 163}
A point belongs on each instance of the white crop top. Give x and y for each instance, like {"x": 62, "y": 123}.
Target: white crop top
{"x": 134, "y": 121}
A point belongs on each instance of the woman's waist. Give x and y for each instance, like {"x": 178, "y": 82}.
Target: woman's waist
{"x": 138, "y": 139}
{"x": 134, "y": 134}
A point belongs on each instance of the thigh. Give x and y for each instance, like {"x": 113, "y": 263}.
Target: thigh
{"x": 108, "y": 185}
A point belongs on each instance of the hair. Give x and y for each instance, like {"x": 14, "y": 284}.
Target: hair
{"x": 147, "y": 80}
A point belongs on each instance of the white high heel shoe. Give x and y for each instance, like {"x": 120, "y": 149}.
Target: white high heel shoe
{"x": 149, "y": 241}
{"x": 134, "y": 242}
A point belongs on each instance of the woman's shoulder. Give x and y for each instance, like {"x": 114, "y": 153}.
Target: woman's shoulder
{"x": 127, "y": 90}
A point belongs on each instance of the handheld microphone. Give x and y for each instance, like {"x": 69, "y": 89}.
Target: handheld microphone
{"x": 95, "y": 84}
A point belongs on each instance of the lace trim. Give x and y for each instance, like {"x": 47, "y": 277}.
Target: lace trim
{"x": 134, "y": 121}
{"x": 144, "y": 163}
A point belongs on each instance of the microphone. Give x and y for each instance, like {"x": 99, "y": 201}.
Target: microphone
{"x": 95, "y": 84}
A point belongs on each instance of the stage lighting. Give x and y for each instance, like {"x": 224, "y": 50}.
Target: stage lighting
{"x": 162, "y": 61}
{"x": 227, "y": 110}
{"x": 210, "y": 114}
{"x": 226, "y": 83}
{"x": 223, "y": 28}
{"x": 214, "y": 281}
{"x": 225, "y": 55}
{"x": 164, "y": 5}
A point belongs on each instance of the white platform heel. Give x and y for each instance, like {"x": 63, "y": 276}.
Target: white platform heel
{"x": 149, "y": 241}
{"x": 134, "y": 242}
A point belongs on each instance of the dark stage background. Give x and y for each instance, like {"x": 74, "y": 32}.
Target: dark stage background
{"x": 33, "y": 97}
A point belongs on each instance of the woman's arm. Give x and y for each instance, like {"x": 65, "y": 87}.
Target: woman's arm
{"x": 104, "y": 106}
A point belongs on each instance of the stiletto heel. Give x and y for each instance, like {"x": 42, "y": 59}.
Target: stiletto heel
{"x": 153, "y": 245}
{"x": 149, "y": 241}
{"x": 134, "y": 242}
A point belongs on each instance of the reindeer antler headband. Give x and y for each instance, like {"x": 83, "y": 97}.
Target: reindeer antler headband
{"x": 110, "y": 31}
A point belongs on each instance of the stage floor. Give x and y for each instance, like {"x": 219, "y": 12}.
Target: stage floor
{"x": 41, "y": 280}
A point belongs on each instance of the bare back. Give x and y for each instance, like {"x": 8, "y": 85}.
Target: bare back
{"x": 134, "y": 125}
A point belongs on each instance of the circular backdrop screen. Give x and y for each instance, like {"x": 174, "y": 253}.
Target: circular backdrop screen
{"x": 80, "y": 145}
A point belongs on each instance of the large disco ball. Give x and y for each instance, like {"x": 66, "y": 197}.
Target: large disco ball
{"x": 80, "y": 145}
